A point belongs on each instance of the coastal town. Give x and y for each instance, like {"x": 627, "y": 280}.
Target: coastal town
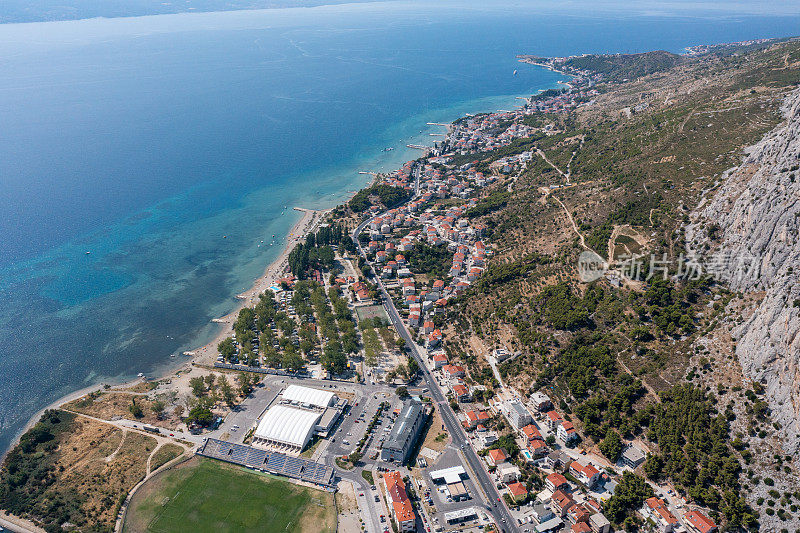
{"x": 508, "y": 460}
{"x": 339, "y": 373}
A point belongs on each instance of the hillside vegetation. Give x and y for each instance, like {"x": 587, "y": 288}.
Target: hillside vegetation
{"x": 622, "y": 356}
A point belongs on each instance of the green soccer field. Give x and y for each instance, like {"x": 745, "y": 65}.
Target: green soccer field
{"x": 210, "y": 496}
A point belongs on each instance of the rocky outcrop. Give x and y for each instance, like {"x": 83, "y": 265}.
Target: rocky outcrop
{"x": 752, "y": 219}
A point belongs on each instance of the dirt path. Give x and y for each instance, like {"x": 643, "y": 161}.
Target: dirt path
{"x": 569, "y": 163}
{"x": 121, "y": 442}
{"x": 538, "y": 151}
{"x": 611, "y": 239}
{"x": 647, "y": 387}
{"x": 689, "y": 116}
{"x": 158, "y": 438}
{"x": 572, "y": 221}
{"x": 150, "y": 458}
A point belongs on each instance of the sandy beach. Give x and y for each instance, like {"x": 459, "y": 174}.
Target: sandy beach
{"x": 207, "y": 354}
{"x": 277, "y": 269}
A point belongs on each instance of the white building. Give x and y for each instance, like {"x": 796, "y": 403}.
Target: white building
{"x": 296, "y": 415}
{"x": 516, "y": 413}
{"x": 508, "y": 473}
{"x": 308, "y": 397}
{"x": 285, "y": 429}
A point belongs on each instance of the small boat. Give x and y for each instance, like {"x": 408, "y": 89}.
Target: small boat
{"x": 88, "y": 253}
{"x": 388, "y": 149}
{"x": 515, "y": 73}
{"x": 140, "y": 375}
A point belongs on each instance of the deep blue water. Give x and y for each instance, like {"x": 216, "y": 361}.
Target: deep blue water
{"x": 146, "y": 140}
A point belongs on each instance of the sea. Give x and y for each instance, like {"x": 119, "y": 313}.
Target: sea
{"x": 149, "y": 165}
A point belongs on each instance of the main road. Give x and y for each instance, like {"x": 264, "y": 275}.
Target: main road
{"x": 495, "y": 505}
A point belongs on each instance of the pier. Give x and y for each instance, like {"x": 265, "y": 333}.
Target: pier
{"x": 418, "y": 146}
{"x": 438, "y": 124}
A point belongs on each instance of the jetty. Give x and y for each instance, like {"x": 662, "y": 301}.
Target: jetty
{"x": 368, "y": 173}
{"x": 418, "y": 146}
{"x": 436, "y": 134}
{"x": 437, "y": 124}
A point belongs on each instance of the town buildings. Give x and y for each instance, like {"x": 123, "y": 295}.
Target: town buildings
{"x": 399, "y": 503}
{"x": 405, "y": 433}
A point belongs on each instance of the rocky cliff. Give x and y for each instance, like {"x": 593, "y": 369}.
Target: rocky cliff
{"x": 752, "y": 219}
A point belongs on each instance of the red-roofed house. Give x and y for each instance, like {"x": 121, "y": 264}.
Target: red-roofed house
{"x": 566, "y": 432}
{"x": 461, "y": 392}
{"x": 538, "y": 448}
{"x": 474, "y": 273}
{"x": 470, "y": 420}
{"x": 656, "y": 510}
{"x": 578, "y": 513}
{"x": 556, "y": 481}
{"x": 439, "y": 360}
{"x": 434, "y": 338}
{"x": 428, "y": 327}
{"x": 363, "y": 295}
{"x": 400, "y": 506}
{"x": 553, "y": 420}
{"x": 700, "y": 522}
{"x": 453, "y": 371}
{"x": 560, "y": 503}
{"x": 581, "y": 527}
{"x": 496, "y": 457}
{"x": 586, "y": 474}
{"x": 531, "y": 432}
{"x": 517, "y": 491}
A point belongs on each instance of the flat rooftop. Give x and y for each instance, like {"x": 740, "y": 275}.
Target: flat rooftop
{"x": 449, "y": 475}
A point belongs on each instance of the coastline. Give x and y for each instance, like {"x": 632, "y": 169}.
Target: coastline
{"x": 207, "y": 353}
{"x": 526, "y": 60}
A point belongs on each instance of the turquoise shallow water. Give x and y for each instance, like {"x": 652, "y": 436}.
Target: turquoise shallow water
{"x": 146, "y": 140}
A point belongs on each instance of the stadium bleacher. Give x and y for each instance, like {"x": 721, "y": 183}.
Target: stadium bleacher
{"x": 275, "y": 463}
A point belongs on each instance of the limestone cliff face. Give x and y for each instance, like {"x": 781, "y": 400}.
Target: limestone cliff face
{"x": 756, "y": 210}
